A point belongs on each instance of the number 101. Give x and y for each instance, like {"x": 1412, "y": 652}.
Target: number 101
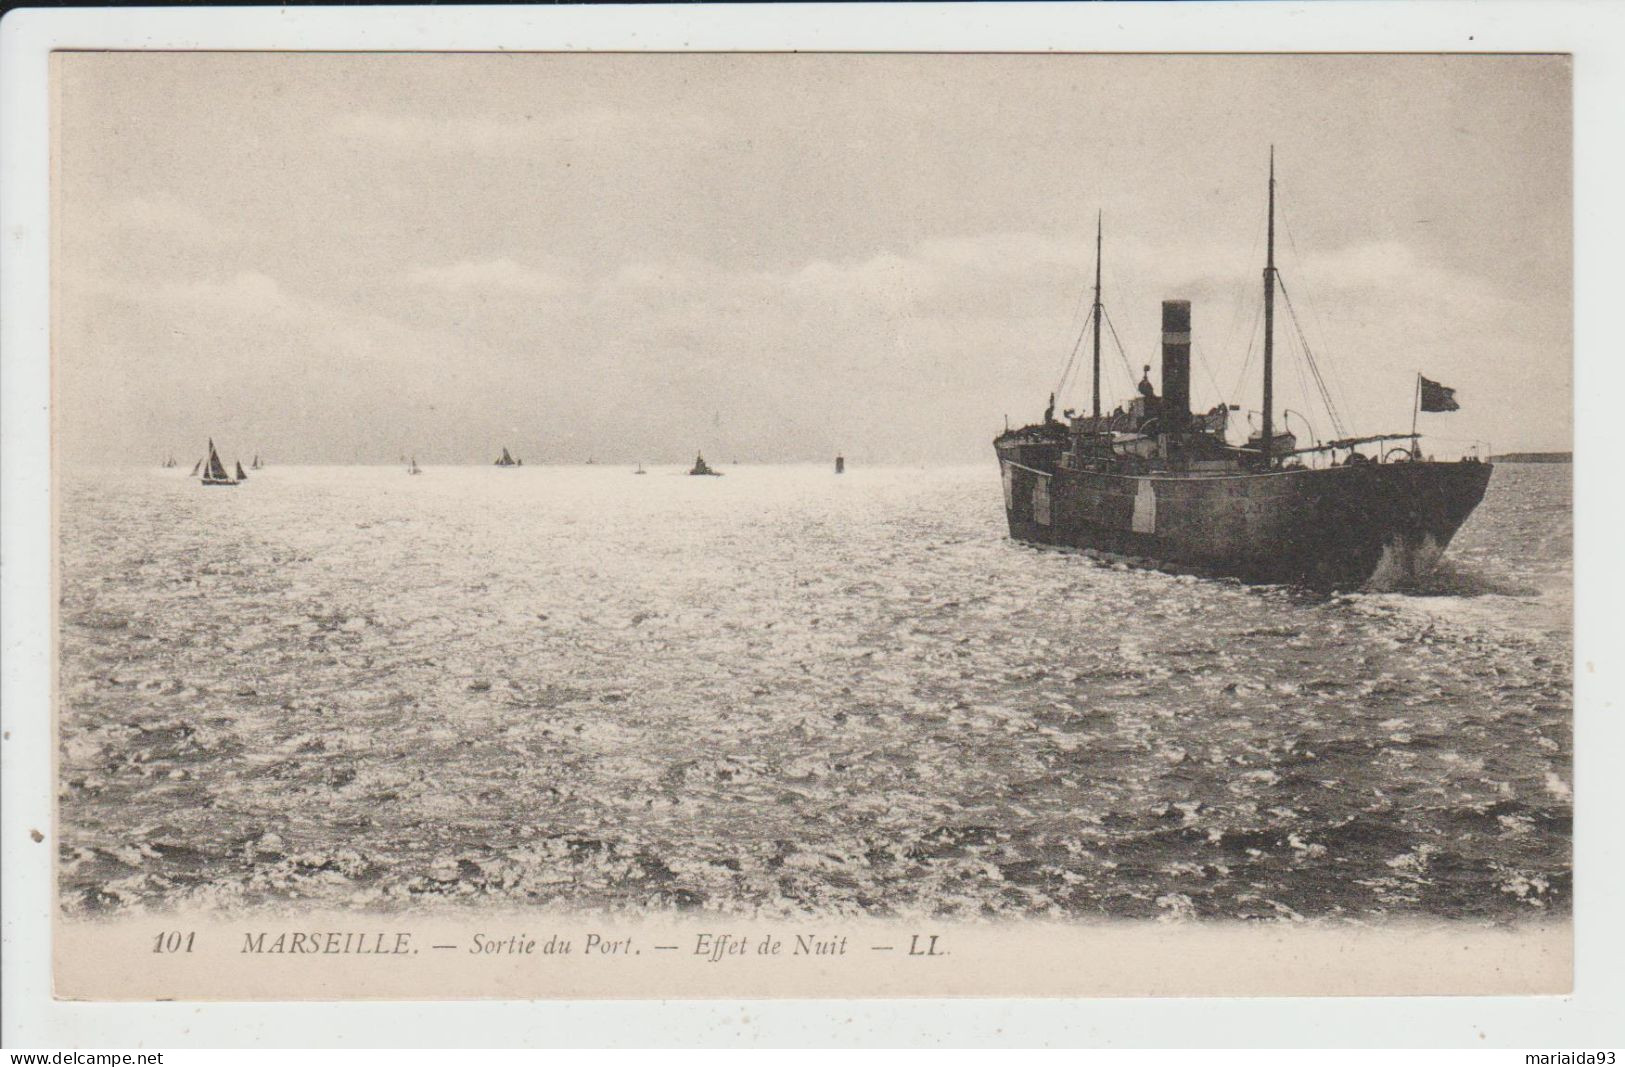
{"x": 174, "y": 941}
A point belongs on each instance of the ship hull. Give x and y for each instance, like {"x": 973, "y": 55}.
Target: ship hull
{"x": 1334, "y": 527}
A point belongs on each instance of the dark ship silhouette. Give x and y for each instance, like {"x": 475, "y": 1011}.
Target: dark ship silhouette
{"x": 1159, "y": 484}
{"x": 214, "y": 472}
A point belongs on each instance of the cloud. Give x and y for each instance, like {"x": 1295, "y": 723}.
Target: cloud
{"x": 491, "y": 133}
{"x": 140, "y": 236}
{"x": 1007, "y": 307}
{"x": 496, "y": 275}
{"x": 1003, "y": 273}
{"x": 1389, "y": 266}
{"x": 247, "y": 292}
{"x": 909, "y": 352}
{"x": 602, "y": 123}
{"x": 158, "y": 216}
{"x": 445, "y": 135}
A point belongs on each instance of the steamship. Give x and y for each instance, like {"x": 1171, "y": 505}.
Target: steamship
{"x": 1160, "y": 485}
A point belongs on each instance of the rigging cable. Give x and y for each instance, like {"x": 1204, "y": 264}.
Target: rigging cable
{"x": 1113, "y": 327}
{"x": 1252, "y": 339}
{"x": 1314, "y": 367}
{"x": 1241, "y": 293}
{"x": 1131, "y": 299}
{"x": 1066, "y": 372}
{"x": 1320, "y": 325}
{"x": 1077, "y": 372}
{"x": 1208, "y": 370}
{"x": 1297, "y": 365}
{"x": 1073, "y": 322}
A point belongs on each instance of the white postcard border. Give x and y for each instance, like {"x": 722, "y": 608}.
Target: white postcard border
{"x": 1592, "y": 31}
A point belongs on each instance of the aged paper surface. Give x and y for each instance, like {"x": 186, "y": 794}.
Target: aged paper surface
{"x": 346, "y": 709}
{"x": 325, "y": 957}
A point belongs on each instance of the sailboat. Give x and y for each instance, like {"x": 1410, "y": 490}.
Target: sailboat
{"x": 1155, "y": 481}
{"x": 640, "y": 470}
{"x": 256, "y": 465}
{"x": 170, "y": 463}
{"x": 414, "y": 468}
{"x": 241, "y": 477}
{"x": 195, "y": 468}
{"x": 215, "y": 472}
{"x": 702, "y": 468}
{"x": 506, "y": 460}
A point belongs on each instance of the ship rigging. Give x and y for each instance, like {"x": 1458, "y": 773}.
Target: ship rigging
{"x": 1158, "y": 482}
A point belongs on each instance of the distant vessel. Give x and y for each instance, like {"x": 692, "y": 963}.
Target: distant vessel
{"x": 214, "y": 472}
{"x": 640, "y": 470}
{"x": 256, "y": 465}
{"x": 1160, "y": 484}
{"x": 505, "y": 460}
{"x": 840, "y": 464}
{"x": 700, "y": 467}
{"x": 169, "y": 463}
{"x": 414, "y": 468}
{"x": 1533, "y": 457}
{"x": 241, "y": 477}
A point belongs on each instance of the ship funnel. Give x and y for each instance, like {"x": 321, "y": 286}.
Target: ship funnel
{"x": 1176, "y": 365}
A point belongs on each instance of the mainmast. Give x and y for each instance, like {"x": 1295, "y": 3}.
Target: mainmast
{"x": 1097, "y": 315}
{"x": 1269, "y": 326}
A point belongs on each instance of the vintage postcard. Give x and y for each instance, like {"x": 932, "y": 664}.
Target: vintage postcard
{"x": 554, "y": 525}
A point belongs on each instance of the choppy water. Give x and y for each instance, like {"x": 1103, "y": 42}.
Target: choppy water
{"x": 782, "y": 692}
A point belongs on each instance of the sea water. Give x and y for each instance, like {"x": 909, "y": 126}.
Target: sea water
{"x": 786, "y": 692}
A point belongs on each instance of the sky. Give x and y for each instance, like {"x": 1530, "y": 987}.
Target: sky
{"x": 347, "y": 258}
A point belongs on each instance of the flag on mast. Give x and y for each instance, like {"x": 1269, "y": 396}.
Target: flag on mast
{"x": 1436, "y": 397}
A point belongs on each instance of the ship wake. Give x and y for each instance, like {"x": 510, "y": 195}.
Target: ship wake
{"x": 1421, "y": 570}
{"x": 1404, "y": 566}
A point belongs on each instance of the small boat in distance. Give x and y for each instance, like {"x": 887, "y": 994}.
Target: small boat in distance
{"x": 256, "y": 465}
{"x": 702, "y": 468}
{"x": 840, "y": 464}
{"x": 169, "y": 463}
{"x": 414, "y": 468}
{"x": 506, "y": 460}
{"x": 241, "y": 477}
{"x": 214, "y": 472}
{"x": 640, "y": 470}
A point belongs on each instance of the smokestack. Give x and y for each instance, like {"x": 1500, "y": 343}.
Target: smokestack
{"x": 1176, "y": 365}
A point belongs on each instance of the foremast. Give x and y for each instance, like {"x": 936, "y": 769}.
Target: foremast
{"x": 1267, "y": 445}
{"x": 1096, "y": 314}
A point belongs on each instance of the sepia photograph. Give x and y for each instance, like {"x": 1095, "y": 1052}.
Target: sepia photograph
{"x": 946, "y": 516}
